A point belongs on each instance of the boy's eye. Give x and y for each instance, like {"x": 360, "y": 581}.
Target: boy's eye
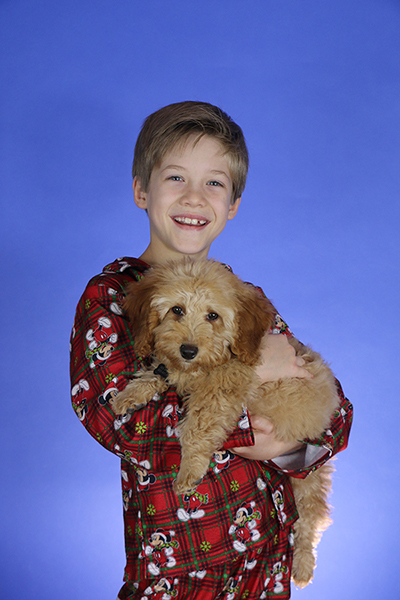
{"x": 177, "y": 310}
{"x": 212, "y": 316}
{"x": 215, "y": 183}
{"x": 175, "y": 178}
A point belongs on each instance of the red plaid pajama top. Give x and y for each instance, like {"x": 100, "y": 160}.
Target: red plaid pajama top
{"x": 241, "y": 505}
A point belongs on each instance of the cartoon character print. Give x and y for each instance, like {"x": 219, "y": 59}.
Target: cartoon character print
{"x": 162, "y": 590}
{"x": 139, "y": 530}
{"x": 143, "y": 476}
{"x": 126, "y": 454}
{"x": 244, "y": 422}
{"x": 101, "y": 342}
{"x": 329, "y": 440}
{"x": 172, "y": 412}
{"x": 198, "y": 574}
{"x": 250, "y": 564}
{"x": 122, "y": 419}
{"x": 273, "y": 583}
{"x": 231, "y": 588}
{"x": 108, "y": 397}
{"x": 126, "y": 489}
{"x": 122, "y": 264}
{"x": 291, "y": 538}
{"x": 261, "y": 484}
{"x": 109, "y": 394}
{"x": 116, "y": 305}
{"x": 277, "y": 497}
{"x": 193, "y": 503}
{"x": 244, "y": 526}
{"x": 73, "y": 332}
{"x": 223, "y": 459}
{"x": 78, "y": 398}
{"x": 281, "y": 327}
{"x": 342, "y": 413}
{"x": 161, "y": 548}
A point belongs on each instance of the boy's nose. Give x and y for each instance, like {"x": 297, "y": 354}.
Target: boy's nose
{"x": 188, "y": 352}
{"x": 193, "y": 197}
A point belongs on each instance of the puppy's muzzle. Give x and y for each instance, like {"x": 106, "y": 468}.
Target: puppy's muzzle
{"x": 188, "y": 352}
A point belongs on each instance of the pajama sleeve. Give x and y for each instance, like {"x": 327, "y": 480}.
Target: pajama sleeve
{"x": 316, "y": 452}
{"x": 102, "y": 362}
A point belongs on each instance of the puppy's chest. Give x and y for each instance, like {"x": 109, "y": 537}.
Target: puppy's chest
{"x": 222, "y": 380}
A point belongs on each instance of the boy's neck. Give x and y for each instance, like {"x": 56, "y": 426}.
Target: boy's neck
{"x": 153, "y": 258}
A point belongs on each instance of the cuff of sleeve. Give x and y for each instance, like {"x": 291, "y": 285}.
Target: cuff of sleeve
{"x": 304, "y": 458}
{"x": 243, "y": 434}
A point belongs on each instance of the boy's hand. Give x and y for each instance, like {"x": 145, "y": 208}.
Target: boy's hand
{"x": 266, "y": 446}
{"x": 279, "y": 360}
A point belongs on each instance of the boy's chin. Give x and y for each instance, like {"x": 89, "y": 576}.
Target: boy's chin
{"x": 195, "y": 251}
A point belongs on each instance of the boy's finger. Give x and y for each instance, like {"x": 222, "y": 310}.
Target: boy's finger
{"x": 262, "y": 424}
{"x": 304, "y": 374}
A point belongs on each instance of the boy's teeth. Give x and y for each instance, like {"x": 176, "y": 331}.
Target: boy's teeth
{"x": 188, "y": 221}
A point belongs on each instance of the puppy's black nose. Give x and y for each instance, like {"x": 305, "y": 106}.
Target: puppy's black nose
{"x": 188, "y": 352}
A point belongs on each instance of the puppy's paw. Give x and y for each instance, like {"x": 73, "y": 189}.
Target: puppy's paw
{"x": 185, "y": 485}
{"x": 122, "y": 406}
{"x": 128, "y": 401}
{"x": 303, "y": 568}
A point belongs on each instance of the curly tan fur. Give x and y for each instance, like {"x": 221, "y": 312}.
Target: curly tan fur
{"x": 201, "y": 304}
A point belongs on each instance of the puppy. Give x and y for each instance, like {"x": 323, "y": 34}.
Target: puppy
{"x": 204, "y": 327}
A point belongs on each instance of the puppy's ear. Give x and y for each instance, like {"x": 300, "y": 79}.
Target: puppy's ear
{"x": 255, "y": 317}
{"x": 142, "y": 316}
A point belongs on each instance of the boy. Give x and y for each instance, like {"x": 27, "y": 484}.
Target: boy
{"x": 232, "y": 537}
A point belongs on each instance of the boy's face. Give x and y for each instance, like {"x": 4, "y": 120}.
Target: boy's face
{"x": 188, "y": 200}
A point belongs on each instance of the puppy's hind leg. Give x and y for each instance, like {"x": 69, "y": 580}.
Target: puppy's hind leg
{"x": 311, "y": 502}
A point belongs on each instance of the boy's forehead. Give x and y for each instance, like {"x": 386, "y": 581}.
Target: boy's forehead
{"x": 195, "y": 143}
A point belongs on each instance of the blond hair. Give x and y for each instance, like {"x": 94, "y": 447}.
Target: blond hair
{"x": 172, "y": 125}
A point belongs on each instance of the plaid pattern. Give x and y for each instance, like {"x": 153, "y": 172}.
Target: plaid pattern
{"x": 232, "y": 513}
{"x": 255, "y": 575}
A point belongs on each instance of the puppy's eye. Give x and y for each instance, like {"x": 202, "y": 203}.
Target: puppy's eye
{"x": 177, "y": 310}
{"x": 212, "y": 316}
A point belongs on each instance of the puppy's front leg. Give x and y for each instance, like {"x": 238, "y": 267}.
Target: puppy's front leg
{"x": 139, "y": 392}
{"x": 195, "y": 460}
{"x": 205, "y": 427}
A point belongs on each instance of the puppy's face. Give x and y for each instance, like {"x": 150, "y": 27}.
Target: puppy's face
{"x": 196, "y": 327}
{"x": 194, "y": 315}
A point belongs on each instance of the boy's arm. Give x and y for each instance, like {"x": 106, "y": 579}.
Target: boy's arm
{"x": 315, "y": 453}
{"x": 102, "y": 363}
{"x": 306, "y": 456}
{"x": 298, "y": 460}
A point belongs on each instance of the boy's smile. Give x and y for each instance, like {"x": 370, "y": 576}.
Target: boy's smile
{"x": 188, "y": 200}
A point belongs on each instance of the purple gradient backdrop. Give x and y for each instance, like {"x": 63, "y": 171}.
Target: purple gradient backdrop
{"x": 315, "y": 84}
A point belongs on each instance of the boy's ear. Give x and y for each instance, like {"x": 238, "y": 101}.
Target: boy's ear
{"x": 234, "y": 208}
{"x": 139, "y": 195}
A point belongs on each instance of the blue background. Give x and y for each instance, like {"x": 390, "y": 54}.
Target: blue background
{"x": 315, "y": 85}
